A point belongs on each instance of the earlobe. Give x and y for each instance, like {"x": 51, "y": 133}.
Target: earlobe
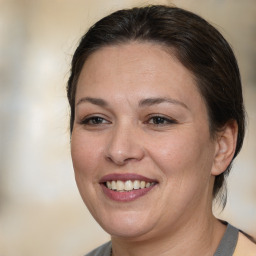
{"x": 225, "y": 147}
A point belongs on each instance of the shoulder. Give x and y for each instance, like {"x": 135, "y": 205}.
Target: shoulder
{"x": 245, "y": 247}
{"x": 103, "y": 250}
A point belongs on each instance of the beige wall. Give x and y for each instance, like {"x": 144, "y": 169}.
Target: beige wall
{"x": 41, "y": 212}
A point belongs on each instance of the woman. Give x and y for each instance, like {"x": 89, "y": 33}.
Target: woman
{"x": 157, "y": 118}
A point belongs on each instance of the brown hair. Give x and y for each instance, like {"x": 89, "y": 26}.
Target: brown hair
{"x": 195, "y": 43}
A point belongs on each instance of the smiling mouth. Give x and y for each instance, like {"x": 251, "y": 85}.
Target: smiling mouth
{"x": 128, "y": 185}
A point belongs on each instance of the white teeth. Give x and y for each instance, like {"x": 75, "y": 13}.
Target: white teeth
{"x": 136, "y": 184}
{"x": 119, "y": 185}
{"x": 128, "y": 185}
{"x": 113, "y": 185}
{"x": 109, "y": 184}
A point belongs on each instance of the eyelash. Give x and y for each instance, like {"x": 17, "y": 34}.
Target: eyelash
{"x": 95, "y": 120}
{"x": 163, "y": 120}
{"x": 155, "y": 120}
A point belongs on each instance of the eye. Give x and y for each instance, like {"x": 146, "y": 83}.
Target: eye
{"x": 94, "y": 120}
{"x": 160, "y": 120}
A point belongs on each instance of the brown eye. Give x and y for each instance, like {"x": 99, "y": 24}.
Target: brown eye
{"x": 159, "y": 120}
{"x": 94, "y": 120}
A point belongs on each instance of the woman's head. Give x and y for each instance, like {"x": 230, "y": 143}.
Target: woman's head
{"x": 198, "y": 46}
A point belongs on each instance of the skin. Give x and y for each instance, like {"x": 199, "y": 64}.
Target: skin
{"x": 177, "y": 150}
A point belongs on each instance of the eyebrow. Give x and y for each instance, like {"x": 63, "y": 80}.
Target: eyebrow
{"x": 95, "y": 101}
{"x": 142, "y": 103}
{"x": 155, "y": 101}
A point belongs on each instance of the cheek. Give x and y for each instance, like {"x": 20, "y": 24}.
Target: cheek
{"x": 85, "y": 152}
{"x": 185, "y": 162}
{"x": 184, "y": 153}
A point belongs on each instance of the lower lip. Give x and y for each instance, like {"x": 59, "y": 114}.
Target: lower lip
{"x": 125, "y": 196}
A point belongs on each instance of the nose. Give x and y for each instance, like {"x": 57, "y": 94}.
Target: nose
{"x": 124, "y": 145}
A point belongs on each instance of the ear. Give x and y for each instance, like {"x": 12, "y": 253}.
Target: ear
{"x": 225, "y": 147}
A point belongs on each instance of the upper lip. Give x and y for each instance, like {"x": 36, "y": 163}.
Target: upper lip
{"x": 124, "y": 177}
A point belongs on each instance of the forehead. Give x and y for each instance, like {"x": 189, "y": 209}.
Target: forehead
{"x": 135, "y": 67}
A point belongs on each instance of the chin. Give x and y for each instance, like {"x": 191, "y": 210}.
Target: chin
{"x": 127, "y": 232}
{"x": 126, "y": 226}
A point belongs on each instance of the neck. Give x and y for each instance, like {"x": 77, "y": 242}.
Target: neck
{"x": 199, "y": 236}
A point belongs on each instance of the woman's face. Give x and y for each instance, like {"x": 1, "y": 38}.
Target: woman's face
{"x": 141, "y": 129}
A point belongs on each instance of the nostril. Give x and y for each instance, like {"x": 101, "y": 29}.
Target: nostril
{"x": 122, "y": 159}
{"x": 123, "y": 146}
{"x": 116, "y": 160}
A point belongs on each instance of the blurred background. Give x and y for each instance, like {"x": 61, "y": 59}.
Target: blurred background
{"x": 41, "y": 212}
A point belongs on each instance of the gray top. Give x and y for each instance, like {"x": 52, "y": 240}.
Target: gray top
{"x": 228, "y": 242}
{"x": 103, "y": 250}
{"x": 226, "y": 247}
